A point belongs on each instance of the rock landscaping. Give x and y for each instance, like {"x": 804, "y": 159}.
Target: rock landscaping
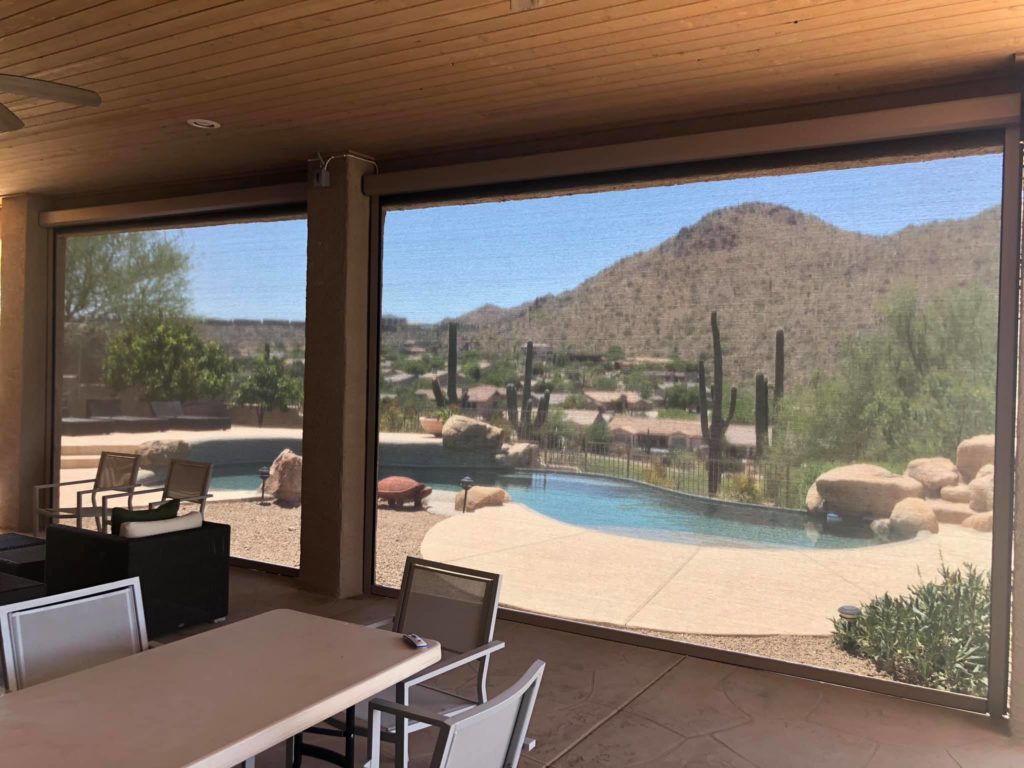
{"x": 931, "y": 491}
{"x": 481, "y": 496}
{"x": 285, "y": 481}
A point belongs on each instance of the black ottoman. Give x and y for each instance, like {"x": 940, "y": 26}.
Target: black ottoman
{"x": 27, "y": 562}
{"x": 14, "y": 589}
{"x": 18, "y": 540}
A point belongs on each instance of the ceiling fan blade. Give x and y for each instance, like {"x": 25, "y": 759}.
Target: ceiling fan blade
{"x": 9, "y": 121}
{"x": 44, "y": 89}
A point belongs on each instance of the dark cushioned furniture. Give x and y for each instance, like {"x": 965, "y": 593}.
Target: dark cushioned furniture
{"x": 26, "y": 562}
{"x": 14, "y": 589}
{"x": 184, "y": 574}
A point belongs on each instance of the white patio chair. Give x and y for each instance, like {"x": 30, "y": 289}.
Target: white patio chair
{"x": 60, "y": 634}
{"x": 458, "y": 607}
{"x": 116, "y": 472}
{"x": 187, "y": 481}
{"x": 489, "y": 735}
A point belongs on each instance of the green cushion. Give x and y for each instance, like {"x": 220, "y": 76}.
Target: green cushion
{"x": 119, "y": 515}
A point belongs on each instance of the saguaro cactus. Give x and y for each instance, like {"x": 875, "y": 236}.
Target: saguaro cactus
{"x": 780, "y": 364}
{"x": 527, "y": 407}
{"x": 523, "y": 418}
{"x": 453, "y": 363}
{"x": 512, "y": 404}
{"x": 761, "y": 412}
{"x": 713, "y": 428}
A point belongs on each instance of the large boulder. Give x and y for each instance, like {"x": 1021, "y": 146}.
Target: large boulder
{"x": 461, "y": 433}
{"x": 982, "y": 488}
{"x": 481, "y": 496}
{"x": 950, "y": 511}
{"x": 934, "y": 473}
{"x": 285, "y": 481}
{"x": 882, "y": 528}
{"x": 980, "y": 521}
{"x": 519, "y": 455}
{"x": 911, "y": 516}
{"x": 974, "y": 453}
{"x": 864, "y": 490}
{"x": 957, "y": 494}
{"x": 815, "y": 504}
{"x": 157, "y": 454}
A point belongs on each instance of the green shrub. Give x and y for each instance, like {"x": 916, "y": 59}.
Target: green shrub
{"x": 937, "y": 636}
{"x": 741, "y": 487}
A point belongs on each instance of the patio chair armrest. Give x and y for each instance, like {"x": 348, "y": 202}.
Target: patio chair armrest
{"x": 406, "y": 712}
{"x": 447, "y": 665}
{"x": 40, "y": 487}
{"x": 192, "y": 499}
{"x": 127, "y": 495}
{"x": 383, "y": 624}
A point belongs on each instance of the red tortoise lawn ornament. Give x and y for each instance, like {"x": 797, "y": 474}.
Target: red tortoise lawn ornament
{"x": 396, "y": 491}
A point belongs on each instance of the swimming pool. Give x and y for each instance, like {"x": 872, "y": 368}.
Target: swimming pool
{"x": 236, "y": 477}
{"x": 641, "y": 511}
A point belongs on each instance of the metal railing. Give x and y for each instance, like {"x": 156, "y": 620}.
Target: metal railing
{"x": 747, "y": 480}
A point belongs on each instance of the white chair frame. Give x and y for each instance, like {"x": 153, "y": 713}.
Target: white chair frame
{"x": 198, "y": 499}
{"x": 132, "y": 588}
{"x": 98, "y": 506}
{"x": 524, "y": 690}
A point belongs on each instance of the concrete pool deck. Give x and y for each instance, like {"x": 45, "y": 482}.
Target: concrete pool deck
{"x": 578, "y": 573}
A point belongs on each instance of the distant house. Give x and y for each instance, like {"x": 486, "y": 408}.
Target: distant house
{"x": 742, "y": 439}
{"x": 615, "y": 401}
{"x": 399, "y": 377}
{"x": 580, "y": 417}
{"x": 541, "y": 352}
{"x": 484, "y": 400}
{"x": 642, "y": 432}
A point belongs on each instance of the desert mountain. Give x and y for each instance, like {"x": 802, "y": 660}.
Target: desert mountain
{"x": 762, "y": 267}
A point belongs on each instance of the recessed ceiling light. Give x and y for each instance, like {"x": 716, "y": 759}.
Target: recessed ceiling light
{"x": 203, "y": 124}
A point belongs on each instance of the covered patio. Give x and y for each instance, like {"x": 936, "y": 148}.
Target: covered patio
{"x": 316, "y": 121}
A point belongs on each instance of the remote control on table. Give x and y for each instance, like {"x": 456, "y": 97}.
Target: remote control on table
{"x": 415, "y": 640}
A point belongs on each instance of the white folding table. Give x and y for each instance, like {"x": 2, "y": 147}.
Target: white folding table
{"x": 208, "y": 701}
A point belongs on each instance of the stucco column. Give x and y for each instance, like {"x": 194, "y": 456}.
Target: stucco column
{"x": 1017, "y": 617}
{"x": 24, "y": 372}
{"x": 334, "y": 423}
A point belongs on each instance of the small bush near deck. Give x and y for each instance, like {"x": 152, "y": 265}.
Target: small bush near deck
{"x": 936, "y": 636}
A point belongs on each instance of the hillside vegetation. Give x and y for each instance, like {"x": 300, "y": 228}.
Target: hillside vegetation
{"x": 761, "y": 267}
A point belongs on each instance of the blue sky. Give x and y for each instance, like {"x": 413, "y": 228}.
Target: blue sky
{"x": 442, "y": 262}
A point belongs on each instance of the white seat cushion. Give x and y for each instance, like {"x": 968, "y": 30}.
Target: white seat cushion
{"x": 144, "y": 528}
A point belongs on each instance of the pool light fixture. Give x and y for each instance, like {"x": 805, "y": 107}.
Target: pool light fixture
{"x": 264, "y": 473}
{"x": 849, "y": 613}
{"x": 465, "y": 483}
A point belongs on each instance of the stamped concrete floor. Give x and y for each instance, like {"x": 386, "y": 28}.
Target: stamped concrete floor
{"x": 608, "y": 704}
{"x": 579, "y": 573}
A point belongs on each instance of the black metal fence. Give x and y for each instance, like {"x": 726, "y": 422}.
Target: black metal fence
{"x": 748, "y": 480}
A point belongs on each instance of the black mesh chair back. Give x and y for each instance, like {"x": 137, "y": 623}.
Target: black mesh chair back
{"x": 456, "y": 606}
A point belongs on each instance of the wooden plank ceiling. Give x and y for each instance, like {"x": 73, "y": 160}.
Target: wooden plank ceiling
{"x": 406, "y": 78}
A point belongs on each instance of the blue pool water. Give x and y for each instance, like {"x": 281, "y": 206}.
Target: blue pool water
{"x": 236, "y": 477}
{"x": 632, "y": 509}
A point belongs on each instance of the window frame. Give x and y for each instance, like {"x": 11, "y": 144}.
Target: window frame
{"x": 104, "y": 220}
{"x": 1001, "y": 132}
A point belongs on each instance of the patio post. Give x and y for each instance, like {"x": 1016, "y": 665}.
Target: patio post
{"x": 25, "y": 334}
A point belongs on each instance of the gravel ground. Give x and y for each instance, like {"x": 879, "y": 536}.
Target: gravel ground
{"x": 814, "y": 650}
{"x": 268, "y": 533}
